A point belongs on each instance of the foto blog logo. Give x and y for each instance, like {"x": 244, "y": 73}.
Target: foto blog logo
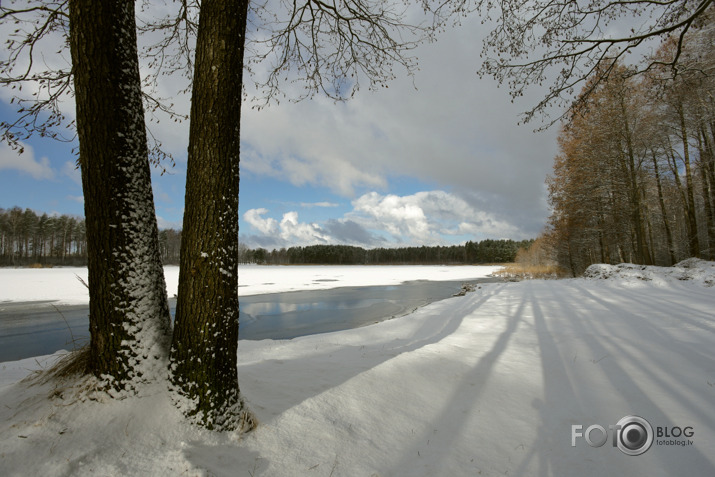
{"x": 633, "y": 435}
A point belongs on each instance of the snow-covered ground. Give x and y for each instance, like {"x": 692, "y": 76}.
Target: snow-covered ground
{"x": 491, "y": 383}
{"x": 63, "y": 286}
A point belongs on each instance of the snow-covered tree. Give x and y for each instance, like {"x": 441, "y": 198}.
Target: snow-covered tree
{"x": 128, "y": 309}
{"x": 129, "y": 313}
{"x": 634, "y": 178}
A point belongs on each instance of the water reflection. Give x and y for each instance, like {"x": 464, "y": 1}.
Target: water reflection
{"x": 34, "y": 329}
{"x": 289, "y": 315}
{"x": 254, "y": 311}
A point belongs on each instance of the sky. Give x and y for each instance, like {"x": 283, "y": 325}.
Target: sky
{"x": 438, "y": 158}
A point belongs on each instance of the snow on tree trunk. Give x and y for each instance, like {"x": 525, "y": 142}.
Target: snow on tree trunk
{"x": 205, "y": 341}
{"x": 128, "y": 312}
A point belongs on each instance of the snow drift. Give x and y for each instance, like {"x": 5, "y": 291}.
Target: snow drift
{"x": 698, "y": 271}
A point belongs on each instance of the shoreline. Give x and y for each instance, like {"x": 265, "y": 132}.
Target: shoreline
{"x": 64, "y": 285}
{"x": 44, "y": 327}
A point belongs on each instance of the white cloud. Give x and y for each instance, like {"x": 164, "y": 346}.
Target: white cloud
{"x": 269, "y": 152}
{"x": 25, "y": 162}
{"x": 292, "y": 230}
{"x": 289, "y": 231}
{"x": 162, "y": 223}
{"x": 266, "y": 226}
{"x": 76, "y": 198}
{"x": 399, "y": 216}
{"x": 425, "y": 218}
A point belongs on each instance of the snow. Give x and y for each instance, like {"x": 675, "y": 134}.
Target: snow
{"x": 62, "y": 285}
{"x": 692, "y": 269}
{"x": 490, "y": 383}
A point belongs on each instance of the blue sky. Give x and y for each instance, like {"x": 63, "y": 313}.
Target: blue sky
{"x": 433, "y": 159}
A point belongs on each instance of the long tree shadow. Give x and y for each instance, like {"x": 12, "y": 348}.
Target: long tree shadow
{"x": 655, "y": 364}
{"x": 283, "y": 384}
{"x": 472, "y": 385}
{"x": 629, "y": 385}
{"x": 273, "y": 386}
{"x": 695, "y": 318}
{"x": 559, "y": 399}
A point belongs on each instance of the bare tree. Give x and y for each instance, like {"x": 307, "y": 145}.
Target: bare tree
{"x": 326, "y": 47}
{"x": 330, "y": 47}
{"x": 128, "y": 311}
{"x": 203, "y": 353}
{"x": 562, "y": 43}
{"x": 36, "y": 64}
{"x": 57, "y": 50}
{"x": 30, "y": 30}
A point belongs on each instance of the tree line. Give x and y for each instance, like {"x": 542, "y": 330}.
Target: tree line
{"x": 635, "y": 177}
{"x": 485, "y": 251}
{"x": 27, "y": 238}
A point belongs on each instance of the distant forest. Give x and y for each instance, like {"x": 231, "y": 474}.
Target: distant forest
{"x": 486, "y": 251}
{"x": 29, "y": 239}
{"x": 26, "y": 239}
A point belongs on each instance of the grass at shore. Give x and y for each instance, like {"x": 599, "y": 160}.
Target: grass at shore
{"x": 521, "y": 271}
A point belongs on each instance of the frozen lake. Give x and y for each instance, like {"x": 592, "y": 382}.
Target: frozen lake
{"x": 38, "y": 328}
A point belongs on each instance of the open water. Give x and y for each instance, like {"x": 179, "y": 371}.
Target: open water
{"x": 30, "y": 329}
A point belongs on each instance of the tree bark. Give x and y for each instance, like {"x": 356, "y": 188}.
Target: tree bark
{"x": 708, "y": 184}
{"x": 693, "y": 240}
{"x": 664, "y": 212}
{"x": 642, "y": 253}
{"x": 128, "y": 309}
{"x": 205, "y": 340}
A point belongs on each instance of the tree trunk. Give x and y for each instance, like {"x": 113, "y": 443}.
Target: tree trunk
{"x": 205, "y": 340}
{"x": 641, "y": 247}
{"x": 664, "y": 212}
{"x": 693, "y": 239}
{"x": 128, "y": 309}
{"x": 709, "y": 218}
{"x": 707, "y": 157}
